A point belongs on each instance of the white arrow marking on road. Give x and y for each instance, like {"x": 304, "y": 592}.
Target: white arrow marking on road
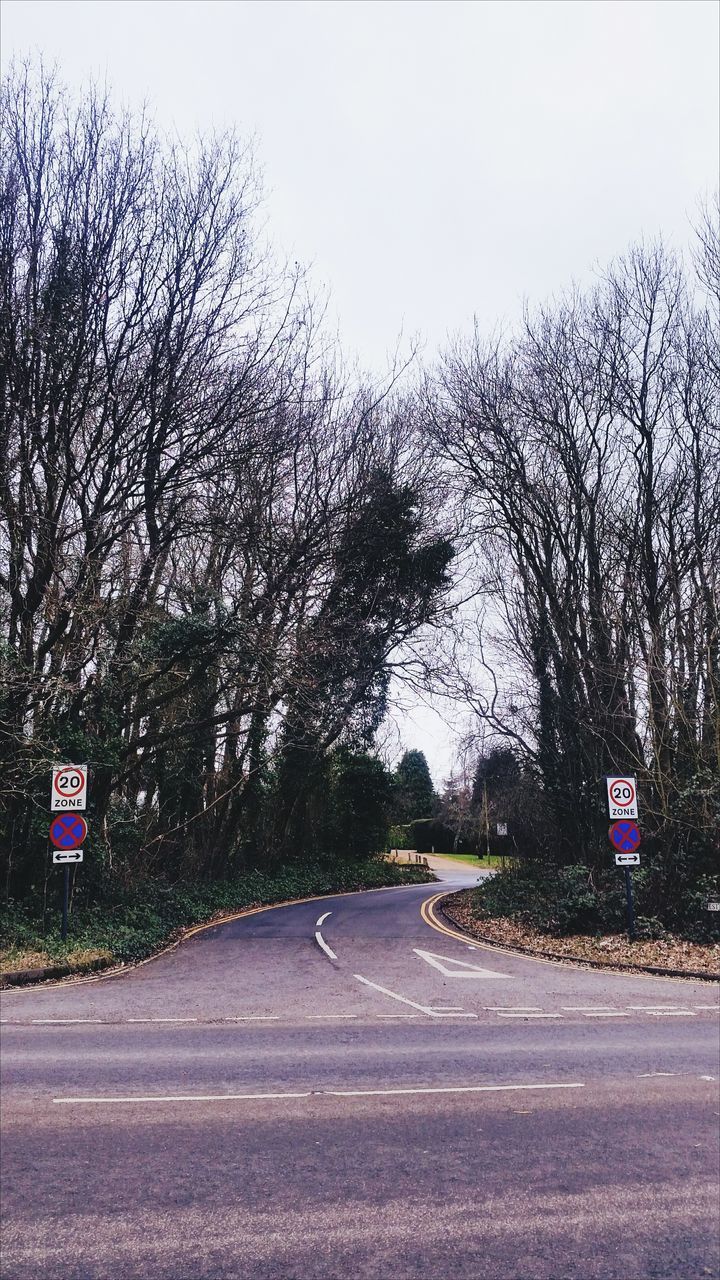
{"x": 468, "y": 970}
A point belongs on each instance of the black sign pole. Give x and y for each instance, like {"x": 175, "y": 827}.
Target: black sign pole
{"x": 66, "y": 895}
{"x": 630, "y": 908}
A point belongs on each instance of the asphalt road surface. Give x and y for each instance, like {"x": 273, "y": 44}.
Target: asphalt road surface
{"x": 348, "y": 1088}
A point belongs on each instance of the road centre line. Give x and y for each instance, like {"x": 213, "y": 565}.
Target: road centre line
{"x": 320, "y": 940}
{"x": 512, "y": 1008}
{"x": 161, "y": 1019}
{"x": 423, "y": 1008}
{"x": 325, "y": 1093}
{"x": 467, "y": 1088}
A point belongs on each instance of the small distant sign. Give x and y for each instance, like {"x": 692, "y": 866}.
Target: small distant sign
{"x": 713, "y": 904}
{"x": 69, "y": 787}
{"x": 622, "y": 797}
{"x": 627, "y": 859}
{"x": 67, "y": 855}
{"x": 502, "y": 828}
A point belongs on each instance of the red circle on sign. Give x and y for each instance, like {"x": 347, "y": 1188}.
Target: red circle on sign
{"x": 625, "y": 782}
{"x": 625, "y": 835}
{"x": 68, "y": 831}
{"x": 67, "y": 795}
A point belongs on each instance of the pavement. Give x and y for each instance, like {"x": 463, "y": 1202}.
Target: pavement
{"x": 348, "y": 1087}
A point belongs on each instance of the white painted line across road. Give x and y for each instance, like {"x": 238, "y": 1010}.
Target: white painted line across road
{"x": 423, "y": 1008}
{"x": 325, "y": 1093}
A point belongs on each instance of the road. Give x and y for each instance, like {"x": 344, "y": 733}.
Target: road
{"x": 346, "y": 1087}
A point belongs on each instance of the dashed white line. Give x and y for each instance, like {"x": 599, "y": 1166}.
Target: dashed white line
{"x": 512, "y": 1008}
{"x": 507, "y": 1013}
{"x": 320, "y": 940}
{"x": 161, "y": 1019}
{"x": 63, "y": 1021}
{"x": 605, "y": 1013}
{"x": 649, "y": 1075}
{"x": 671, "y": 1013}
{"x": 255, "y": 1017}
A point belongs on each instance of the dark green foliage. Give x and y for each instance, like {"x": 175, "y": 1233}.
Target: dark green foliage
{"x": 413, "y": 790}
{"x": 576, "y": 899}
{"x": 431, "y": 833}
{"x": 136, "y": 923}
{"x": 360, "y": 799}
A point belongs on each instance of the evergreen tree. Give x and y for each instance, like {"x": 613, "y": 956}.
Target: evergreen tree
{"x": 414, "y": 793}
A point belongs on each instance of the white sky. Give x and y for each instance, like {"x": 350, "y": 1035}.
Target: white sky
{"x": 431, "y": 161}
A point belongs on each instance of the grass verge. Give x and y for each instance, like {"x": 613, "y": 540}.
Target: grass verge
{"x": 141, "y": 923}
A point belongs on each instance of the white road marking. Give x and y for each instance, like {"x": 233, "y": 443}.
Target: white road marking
{"x": 321, "y": 941}
{"x": 648, "y": 1075}
{"x": 512, "y": 1008}
{"x": 506, "y": 1013}
{"x": 587, "y": 1008}
{"x": 396, "y": 1015}
{"x": 161, "y": 1019}
{"x": 605, "y": 1013}
{"x": 319, "y": 923}
{"x": 63, "y": 1021}
{"x": 671, "y": 1013}
{"x": 254, "y": 1017}
{"x": 462, "y": 968}
{"x": 326, "y": 1093}
{"x": 715, "y": 1007}
{"x": 707, "y": 1077}
{"x": 447, "y": 1008}
{"x": 190, "y": 1097}
{"x": 469, "y": 1088}
{"x": 423, "y": 1008}
{"x": 312, "y": 1016}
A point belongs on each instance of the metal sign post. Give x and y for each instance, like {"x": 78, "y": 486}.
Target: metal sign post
{"x": 624, "y": 835}
{"x": 66, "y": 899}
{"x": 68, "y": 831}
{"x": 630, "y": 904}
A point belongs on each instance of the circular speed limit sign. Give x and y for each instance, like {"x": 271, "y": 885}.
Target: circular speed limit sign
{"x": 622, "y": 791}
{"x": 69, "y": 787}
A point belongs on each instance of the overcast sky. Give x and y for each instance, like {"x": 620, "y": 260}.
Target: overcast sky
{"x": 431, "y": 161}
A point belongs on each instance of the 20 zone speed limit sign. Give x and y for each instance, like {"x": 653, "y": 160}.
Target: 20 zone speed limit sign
{"x": 622, "y": 797}
{"x": 69, "y": 787}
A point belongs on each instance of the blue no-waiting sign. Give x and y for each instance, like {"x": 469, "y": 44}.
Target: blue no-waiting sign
{"x": 68, "y": 831}
{"x": 625, "y": 836}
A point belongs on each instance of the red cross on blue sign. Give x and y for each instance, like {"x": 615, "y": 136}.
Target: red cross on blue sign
{"x": 68, "y": 831}
{"x": 625, "y": 836}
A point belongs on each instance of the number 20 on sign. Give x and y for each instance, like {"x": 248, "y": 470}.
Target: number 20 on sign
{"x": 69, "y": 787}
{"x": 622, "y": 797}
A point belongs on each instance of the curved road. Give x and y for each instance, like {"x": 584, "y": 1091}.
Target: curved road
{"x": 348, "y": 1087}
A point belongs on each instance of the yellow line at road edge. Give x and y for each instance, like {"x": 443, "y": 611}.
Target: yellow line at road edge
{"x": 427, "y": 911}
